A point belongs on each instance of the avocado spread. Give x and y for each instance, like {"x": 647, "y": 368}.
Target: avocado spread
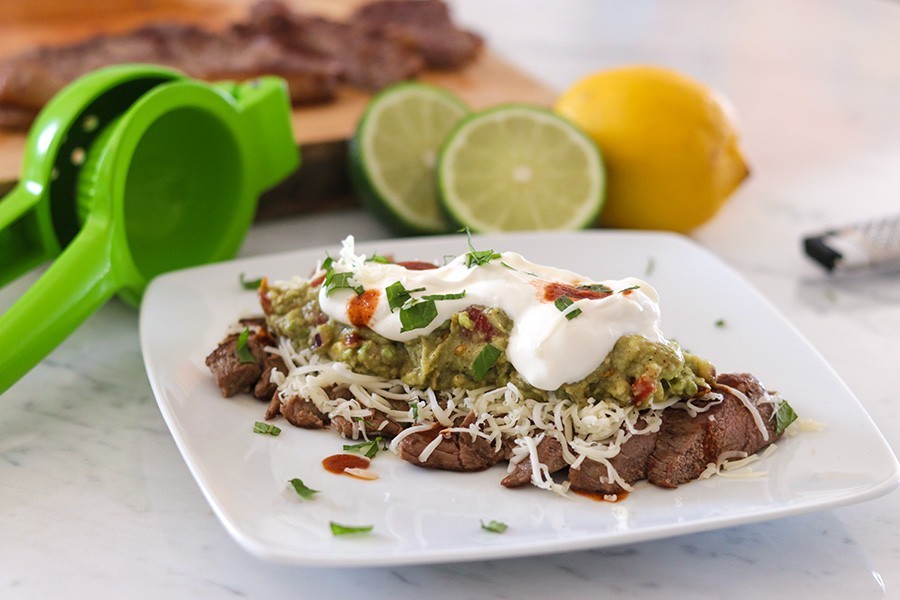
{"x": 637, "y": 372}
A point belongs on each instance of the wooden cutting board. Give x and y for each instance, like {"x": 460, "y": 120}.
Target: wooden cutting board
{"x": 321, "y": 131}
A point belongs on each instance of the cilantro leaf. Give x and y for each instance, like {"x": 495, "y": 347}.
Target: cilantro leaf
{"x": 494, "y": 526}
{"x": 485, "y": 360}
{"x": 338, "y": 529}
{"x": 368, "y": 449}
{"x": 250, "y": 284}
{"x": 242, "y": 350}
{"x": 478, "y": 258}
{"x": 596, "y": 287}
{"x": 417, "y": 315}
{"x": 266, "y": 428}
{"x": 784, "y": 416}
{"x": 397, "y": 295}
{"x": 301, "y": 489}
{"x": 564, "y": 302}
{"x": 337, "y": 281}
{"x": 456, "y": 296}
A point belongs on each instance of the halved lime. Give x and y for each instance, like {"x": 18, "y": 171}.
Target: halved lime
{"x": 517, "y": 166}
{"x": 393, "y": 152}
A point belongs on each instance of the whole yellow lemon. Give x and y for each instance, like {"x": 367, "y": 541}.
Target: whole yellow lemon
{"x": 669, "y": 143}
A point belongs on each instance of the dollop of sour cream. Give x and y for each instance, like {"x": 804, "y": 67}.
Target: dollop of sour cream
{"x": 547, "y": 348}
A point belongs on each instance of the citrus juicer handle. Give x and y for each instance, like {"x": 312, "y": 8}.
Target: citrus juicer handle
{"x": 27, "y": 239}
{"x": 78, "y": 282}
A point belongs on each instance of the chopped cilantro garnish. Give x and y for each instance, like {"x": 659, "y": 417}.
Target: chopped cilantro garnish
{"x": 512, "y": 268}
{"x": 338, "y": 529}
{"x": 368, "y": 449}
{"x": 414, "y": 407}
{"x": 720, "y": 323}
{"x": 784, "y": 416}
{"x": 455, "y": 296}
{"x": 564, "y": 302}
{"x": 266, "y": 428}
{"x": 242, "y": 350}
{"x": 301, "y": 489}
{"x": 596, "y": 287}
{"x": 629, "y": 289}
{"x": 338, "y": 281}
{"x": 485, "y": 360}
{"x": 250, "y": 284}
{"x": 397, "y": 295}
{"x": 494, "y": 526}
{"x": 377, "y": 258}
{"x": 478, "y": 258}
{"x": 417, "y": 315}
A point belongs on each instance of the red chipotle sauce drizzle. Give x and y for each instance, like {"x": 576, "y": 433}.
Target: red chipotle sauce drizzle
{"x": 601, "y": 497}
{"x": 361, "y": 308}
{"x": 338, "y": 463}
{"x": 554, "y": 291}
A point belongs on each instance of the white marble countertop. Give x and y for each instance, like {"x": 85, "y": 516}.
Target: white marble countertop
{"x": 96, "y": 501}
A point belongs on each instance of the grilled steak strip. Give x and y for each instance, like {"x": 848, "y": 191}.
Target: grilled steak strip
{"x": 379, "y": 45}
{"x": 456, "y": 451}
{"x": 630, "y": 463}
{"x": 233, "y": 376}
{"x": 364, "y": 56}
{"x": 424, "y": 25}
{"x": 30, "y": 79}
{"x": 550, "y": 453}
{"x": 686, "y": 445}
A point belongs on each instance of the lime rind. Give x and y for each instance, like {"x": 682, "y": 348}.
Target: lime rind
{"x": 393, "y": 151}
{"x": 518, "y": 166}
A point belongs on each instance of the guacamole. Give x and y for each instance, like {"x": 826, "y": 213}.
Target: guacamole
{"x": 637, "y": 372}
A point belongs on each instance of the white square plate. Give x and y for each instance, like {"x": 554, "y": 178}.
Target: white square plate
{"x": 424, "y": 516}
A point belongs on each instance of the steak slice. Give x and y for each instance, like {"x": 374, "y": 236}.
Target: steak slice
{"x": 630, "y": 463}
{"x": 550, "y": 453}
{"x": 265, "y": 388}
{"x": 455, "y": 452}
{"x": 302, "y": 413}
{"x": 233, "y": 376}
{"x": 686, "y": 445}
{"x": 364, "y": 56}
{"x": 424, "y": 25}
{"x": 30, "y": 79}
{"x": 377, "y": 423}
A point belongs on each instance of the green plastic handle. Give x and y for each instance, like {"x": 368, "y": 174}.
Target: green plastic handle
{"x": 79, "y": 282}
{"x": 26, "y": 238}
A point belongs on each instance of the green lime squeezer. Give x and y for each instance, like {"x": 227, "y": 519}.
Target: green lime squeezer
{"x": 129, "y": 172}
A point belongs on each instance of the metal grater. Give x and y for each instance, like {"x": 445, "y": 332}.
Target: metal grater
{"x": 874, "y": 243}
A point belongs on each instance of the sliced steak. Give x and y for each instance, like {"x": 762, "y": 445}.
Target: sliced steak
{"x": 550, "y": 453}
{"x": 30, "y": 79}
{"x": 630, "y": 463}
{"x": 685, "y": 445}
{"x": 303, "y": 413}
{"x": 424, "y": 25}
{"x": 456, "y": 451}
{"x": 233, "y": 376}
{"x": 377, "y": 423}
{"x": 265, "y": 388}
{"x": 364, "y": 56}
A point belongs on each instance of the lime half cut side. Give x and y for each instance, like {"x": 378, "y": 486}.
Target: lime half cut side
{"x": 393, "y": 154}
{"x": 518, "y": 167}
